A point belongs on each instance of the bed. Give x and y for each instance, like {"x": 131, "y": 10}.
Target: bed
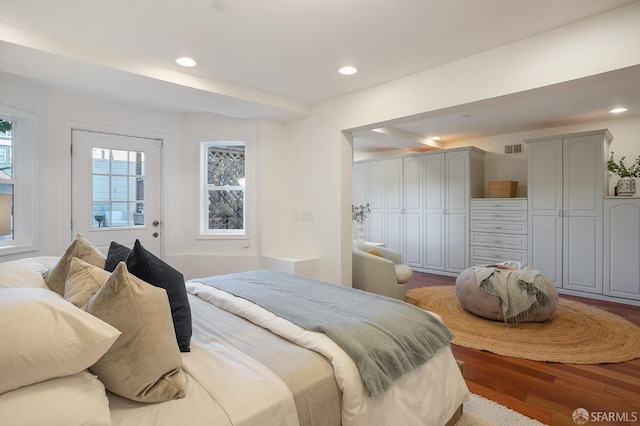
{"x": 239, "y": 363}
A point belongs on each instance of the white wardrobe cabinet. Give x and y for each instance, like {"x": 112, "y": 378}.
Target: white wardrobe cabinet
{"x": 622, "y": 247}
{"x": 420, "y": 205}
{"x": 565, "y": 197}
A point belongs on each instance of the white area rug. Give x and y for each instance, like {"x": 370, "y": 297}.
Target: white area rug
{"x": 480, "y": 411}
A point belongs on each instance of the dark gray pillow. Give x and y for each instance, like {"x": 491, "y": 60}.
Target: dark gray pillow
{"x": 117, "y": 253}
{"x": 146, "y": 266}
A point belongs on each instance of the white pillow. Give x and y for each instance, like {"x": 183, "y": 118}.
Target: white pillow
{"x": 43, "y": 336}
{"x": 76, "y": 400}
{"x": 26, "y": 272}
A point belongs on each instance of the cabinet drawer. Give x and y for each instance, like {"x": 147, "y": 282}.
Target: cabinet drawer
{"x": 499, "y": 204}
{"x": 498, "y": 216}
{"x": 497, "y": 255}
{"x": 499, "y": 227}
{"x": 508, "y": 241}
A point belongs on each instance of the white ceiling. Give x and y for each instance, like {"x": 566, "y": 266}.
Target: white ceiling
{"x": 276, "y": 58}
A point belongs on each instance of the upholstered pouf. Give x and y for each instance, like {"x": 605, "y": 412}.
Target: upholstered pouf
{"x": 487, "y": 306}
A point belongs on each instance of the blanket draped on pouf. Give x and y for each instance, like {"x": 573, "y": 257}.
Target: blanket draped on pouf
{"x": 520, "y": 290}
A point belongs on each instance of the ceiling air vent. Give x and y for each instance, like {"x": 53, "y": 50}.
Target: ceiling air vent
{"x": 513, "y": 149}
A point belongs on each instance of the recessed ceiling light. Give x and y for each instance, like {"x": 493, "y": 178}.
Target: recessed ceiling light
{"x": 185, "y": 61}
{"x": 435, "y": 138}
{"x": 348, "y": 70}
{"x": 618, "y": 110}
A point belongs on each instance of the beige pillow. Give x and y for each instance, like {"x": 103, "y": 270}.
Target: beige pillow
{"x": 144, "y": 364}
{"x": 43, "y": 336}
{"x": 83, "y": 281}
{"x": 80, "y": 248}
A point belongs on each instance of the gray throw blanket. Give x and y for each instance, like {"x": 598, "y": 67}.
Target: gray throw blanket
{"x": 520, "y": 290}
{"x": 386, "y": 338}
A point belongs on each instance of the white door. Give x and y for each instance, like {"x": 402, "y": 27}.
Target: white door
{"x": 413, "y": 211}
{"x": 546, "y": 210}
{"x": 116, "y": 189}
{"x": 434, "y": 211}
{"x": 583, "y": 171}
{"x": 394, "y": 204}
{"x": 457, "y": 205}
{"x": 375, "y": 231}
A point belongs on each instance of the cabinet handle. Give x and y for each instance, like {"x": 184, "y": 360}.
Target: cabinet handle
{"x": 497, "y": 241}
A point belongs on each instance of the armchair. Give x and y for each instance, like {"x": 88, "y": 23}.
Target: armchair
{"x": 385, "y": 275}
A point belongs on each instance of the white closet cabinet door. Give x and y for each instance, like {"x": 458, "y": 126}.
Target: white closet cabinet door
{"x": 394, "y": 203}
{"x": 583, "y": 174}
{"x": 622, "y": 248}
{"x": 457, "y": 211}
{"x": 375, "y": 230}
{"x": 434, "y": 211}
{"x": 412, "y": 254}
{"x": 545, "y": 208}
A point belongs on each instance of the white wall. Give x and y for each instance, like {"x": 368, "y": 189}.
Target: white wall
{"x": 600, "y": 44}
{"x": 56, "y": 112}
{"x": 304, "y": 167}
{"x": 268, "y": 222}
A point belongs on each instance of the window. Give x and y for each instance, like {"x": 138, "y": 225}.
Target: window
{"x": 117, "y": 188}
{"x": 6, "y": 182}
{"x": 18, "y": 194}
{"x": 222, "y": 199}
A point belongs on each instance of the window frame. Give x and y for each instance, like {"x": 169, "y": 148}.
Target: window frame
{"x": 24, "y": 180}
{"x": 204, "y": 232}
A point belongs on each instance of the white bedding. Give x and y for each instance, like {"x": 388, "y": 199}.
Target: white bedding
{"x": 217, "y": 376}
{"x": 428, "y": 395}
{"x": 225, "y": 387}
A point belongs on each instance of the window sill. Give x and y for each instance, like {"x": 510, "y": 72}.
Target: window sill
{"x": 9, "y": 250}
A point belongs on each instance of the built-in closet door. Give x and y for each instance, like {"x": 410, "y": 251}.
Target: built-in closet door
{"x": 434, "y": 211}
{"x": 375, "y": 222}
{"x": 566, "y": 189}
{"x": 412, "y": 253}
{"x": 622, "y": 247}
{"x": 360, "y": 188}
{"x": 583, "y": 189}
{"x": 394, "y": 195}
{"x": 545, "y": 208}
{"x": 457, "y": 210}
{"x": 360, "y": 183}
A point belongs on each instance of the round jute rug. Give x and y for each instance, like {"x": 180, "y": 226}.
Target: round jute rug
{"x": 575, "y": 334}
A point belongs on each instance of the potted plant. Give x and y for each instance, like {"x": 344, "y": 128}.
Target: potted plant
{"x": 359, "y": 214}
{"x": 627, "y": 184}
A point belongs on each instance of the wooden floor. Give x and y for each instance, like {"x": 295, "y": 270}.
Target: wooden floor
{"x": 550, "y": 392}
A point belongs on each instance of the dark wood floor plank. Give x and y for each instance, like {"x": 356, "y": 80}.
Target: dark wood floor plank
{"x": 550, "y": 392}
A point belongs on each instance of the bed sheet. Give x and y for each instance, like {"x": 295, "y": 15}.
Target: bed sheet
{"x": 223, "y": 387}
